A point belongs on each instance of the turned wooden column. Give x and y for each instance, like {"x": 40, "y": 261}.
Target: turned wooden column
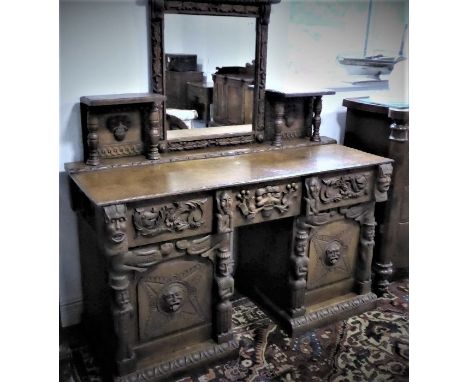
{"x": 317, "y": 120}
{"x": 153, "y": 133}
{"x": 92, "y": 139}
{"x": 280, "y": 122}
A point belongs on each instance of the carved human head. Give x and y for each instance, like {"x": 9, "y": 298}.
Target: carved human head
{"x": 172, "y": 298}
{"x": 118, "y": 125}
{"x": 369, "y": 231}
{"x": 225, "y": 202}
{"x": 225, "y": 263}
{"x": 116, "y": 223}
{"x": 333, "y": 252}
{"x": 301, "y": 242}
{"x": 385, "y": 177}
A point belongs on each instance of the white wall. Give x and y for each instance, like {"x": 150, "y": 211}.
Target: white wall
{"x": 104, "y": 50}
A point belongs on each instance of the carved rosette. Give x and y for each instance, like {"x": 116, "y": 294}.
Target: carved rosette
{"x": 224, "y": 211}
{"x": 266, "y": 200}
{"x": 299, "y": 265}
{"x": 225, "y": 288}
{"x": 383, "y": 182}
{"x": 174, "y": 217}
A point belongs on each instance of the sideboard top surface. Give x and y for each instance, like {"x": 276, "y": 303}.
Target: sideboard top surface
{"x": 120, "y": 185}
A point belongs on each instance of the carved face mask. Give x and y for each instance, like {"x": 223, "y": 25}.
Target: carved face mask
{"x": 173, "y": 298}
{"x": 333, "y": 253}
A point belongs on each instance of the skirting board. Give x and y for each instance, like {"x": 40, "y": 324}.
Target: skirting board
{"x": 71, "y": 313}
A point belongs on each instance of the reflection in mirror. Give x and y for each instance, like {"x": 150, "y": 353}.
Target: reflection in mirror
{"x": 209, "y": 75}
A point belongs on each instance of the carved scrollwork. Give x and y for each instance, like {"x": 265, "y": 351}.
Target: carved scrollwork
{"x": 343, "y": 187}
{"x": 266, "y": 200}
{"x": 174, "y": 217}
{"x": 221, "y": 9}
{"x": 204, "y": 143}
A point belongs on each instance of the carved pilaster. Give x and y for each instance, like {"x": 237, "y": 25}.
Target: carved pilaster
{"x": 383, "y": 182}
{"x": 92, "y": 140}
{"x": 299, "y": 264}
{"x": 115, "y": 247}
{"x": 224, "y": 211}
{"x": 364, "y": 215}
{"x": 153, "y": 133}
{"x": 260, "y": 71}
{"x": 279, "y": 122}
{"x": 225, "y": 289}
{"x": 317, "y": 119}
{"x": 157, "y": 51}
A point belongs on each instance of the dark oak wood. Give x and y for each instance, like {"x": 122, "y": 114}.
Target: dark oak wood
{"x": 293, "y": 115}
{"x": 260, "y": 9}
{"x": 200, "y": 98}
{"x": 121, "y": 125}
{"x": 142, "y": 182}
{"x": 177, "y": 88}
{"x": 381, "y": 130}
{"x": 157, "y": 229}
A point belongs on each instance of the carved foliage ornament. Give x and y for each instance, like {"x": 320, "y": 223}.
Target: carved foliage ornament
{"x": 266, "y": 200}
{"x": 343, "y": 187}
{"x": 175, "y": 217}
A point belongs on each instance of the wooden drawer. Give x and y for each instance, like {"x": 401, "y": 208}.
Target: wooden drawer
{"x": 339, "y": 190}
{"x": 268, "y": 201}
{"x": 160, "y": 221}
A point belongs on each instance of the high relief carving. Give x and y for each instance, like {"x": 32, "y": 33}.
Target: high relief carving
{"x": 224, "y": 213}
{"x": 204, "y": 143}
{"x": 175, "y": 294}
{"x": 362, "y": 213}
{"x": 343, "y": 187}
{"x": 225, "y": 287}
{"x": 384, "y": 180}
{"x": 299, "y": 264}
{"x": 174, "y": 217}
{"x": 266, "y": 200}
{"x": 118, "y": 125}
{"x": 115, "y": 247}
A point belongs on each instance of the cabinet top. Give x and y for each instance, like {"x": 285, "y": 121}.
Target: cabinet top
{"x": 118, "y": 99}
{"x": 127, "y": 184}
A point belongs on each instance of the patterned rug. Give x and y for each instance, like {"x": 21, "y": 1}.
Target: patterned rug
{"x": 373, "y": 346}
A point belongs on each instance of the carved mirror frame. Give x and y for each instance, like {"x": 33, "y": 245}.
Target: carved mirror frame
{"x": 260, "y": 9}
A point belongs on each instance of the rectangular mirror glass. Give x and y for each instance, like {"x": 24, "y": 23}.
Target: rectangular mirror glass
{"x": 209, "y": 69}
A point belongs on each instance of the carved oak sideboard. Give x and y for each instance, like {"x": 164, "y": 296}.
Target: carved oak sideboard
{"x": 156, "y": 243}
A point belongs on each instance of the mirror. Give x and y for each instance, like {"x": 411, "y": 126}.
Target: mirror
{"x": 209, "y": 71}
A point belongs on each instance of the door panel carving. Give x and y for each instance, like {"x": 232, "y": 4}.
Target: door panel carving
{"x": 175, "y": 295}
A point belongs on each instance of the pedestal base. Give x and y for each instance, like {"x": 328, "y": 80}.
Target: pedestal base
{"x": 183, "y": 361}
{"x": 321, "y": 314}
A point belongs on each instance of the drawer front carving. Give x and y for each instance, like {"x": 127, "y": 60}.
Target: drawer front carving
{"x": 328, "y": 192}
{"x": 255, "y": 204}
{"x": 166, "y": 221}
